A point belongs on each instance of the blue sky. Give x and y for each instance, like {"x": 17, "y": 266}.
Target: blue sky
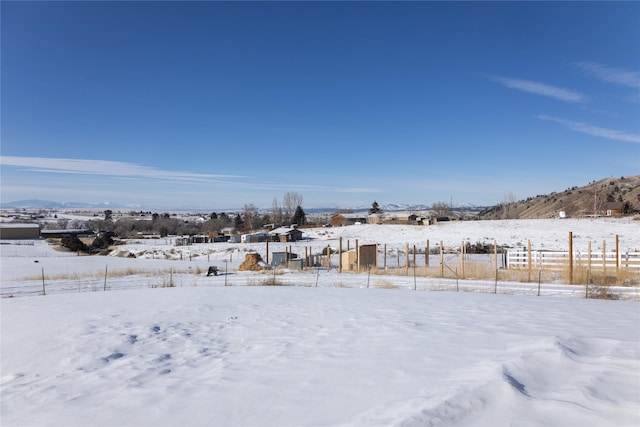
{"x": 221, "y": 104}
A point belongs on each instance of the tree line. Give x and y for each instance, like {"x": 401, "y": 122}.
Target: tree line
{"x": 163, "y": 224}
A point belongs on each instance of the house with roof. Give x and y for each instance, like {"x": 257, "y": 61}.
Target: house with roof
{"x": 341, "y": 219}
{"x": 614, "y": 208}
{"x": 285, "y": 234}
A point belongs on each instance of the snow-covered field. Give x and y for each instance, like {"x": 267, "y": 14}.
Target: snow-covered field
{"x": 326, "y": 350}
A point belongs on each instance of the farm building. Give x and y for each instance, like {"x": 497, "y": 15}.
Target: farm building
{"x": 338, "y": 220}
{"x": 56, "y": 234}
{"x": 286, "y": 234}
{"x": 614, "y": 208}
{"x": 254, "y": 237}
{"x": 19, "y": 231}
{"x": 228, "y": 231}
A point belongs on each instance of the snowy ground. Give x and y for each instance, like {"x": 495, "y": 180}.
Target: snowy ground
{"x": 326, "y": 350}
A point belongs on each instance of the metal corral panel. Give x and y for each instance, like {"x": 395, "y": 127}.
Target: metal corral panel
{"x": 281, "y": 258}
{"x": 295, "y": 264}
{"x": 19, "y": 231}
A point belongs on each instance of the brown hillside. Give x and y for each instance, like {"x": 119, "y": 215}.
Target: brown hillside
{"x": 590, "y": 199}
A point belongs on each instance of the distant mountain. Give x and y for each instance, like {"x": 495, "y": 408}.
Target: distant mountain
{"x": 48, "y": 204}
{"x": 590, "y": 199}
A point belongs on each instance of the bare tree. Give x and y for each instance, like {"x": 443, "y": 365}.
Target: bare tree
{"x": 276, "y": 214}
{"x": 508, "y": 203}
{"x": 598, "y": 201}
{"x": 250, "y": 217}
{"x": 441, "y": 209}
{"x": 291, "y": 201}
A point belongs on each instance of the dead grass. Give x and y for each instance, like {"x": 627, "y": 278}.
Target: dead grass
{"x": 272, "y": 281}
{"x": 384, "y": 284}
{"x": 484, "y": 271}
{"x": 125, "y": 272}
{"x": 602, "y": 292}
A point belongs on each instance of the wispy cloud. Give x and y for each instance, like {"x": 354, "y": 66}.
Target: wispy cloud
{"x": 541, "y": 89}
{"x": 131, "y": 181}
{"x": 613, "y": 75}
{"x": 104, "y": 167}
{"x": 588, "y": 129}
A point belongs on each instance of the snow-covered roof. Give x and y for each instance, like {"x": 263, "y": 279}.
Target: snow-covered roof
{"x": 18, "y": 225}
{"x": 283, "y": 230}
{"x": 353, "y": 215}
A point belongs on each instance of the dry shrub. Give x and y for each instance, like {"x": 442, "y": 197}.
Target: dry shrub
{"x": 272, "y": 281}
{"x": 384, "y": 284}
{"x": 602, "y": 292}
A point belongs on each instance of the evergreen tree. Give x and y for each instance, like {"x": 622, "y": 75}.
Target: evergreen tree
{"x": 238, "y": 223}
{"x": 299, "y": 217}
{"x": 375, "y": 208}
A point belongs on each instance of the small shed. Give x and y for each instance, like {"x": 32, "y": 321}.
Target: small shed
{"x": 361, "y": 258}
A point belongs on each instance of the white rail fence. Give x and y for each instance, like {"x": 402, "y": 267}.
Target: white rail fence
{"x": 557, "y": 260}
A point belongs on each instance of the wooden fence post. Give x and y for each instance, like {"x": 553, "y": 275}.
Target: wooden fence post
{"x": 385, "y": 257}
{"x": 571, "y": 257}
{"x": 617, "y": 253}
{"x": 406, "y": 258}
{"x": 529, "y": 259}
{"x": 462, "y": 259}
{"x": 328, "y": 256}
{"x": 441, "y": 260}
{"x": 426, "y": 256}
{"x": 340, "y": 255}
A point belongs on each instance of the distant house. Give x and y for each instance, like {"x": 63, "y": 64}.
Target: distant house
{"x": 375, "y": 218}
{"x": 614, "y": 208}
{"x": 19, "y": 231}
{"x": 254, "y": 237}
{"x": 215, "y": 236}
{"x": 228, "y": 231}
{"x": 286, "y": 234}
{"x": 403, "y": 218}
{"x": 338, "y": 220}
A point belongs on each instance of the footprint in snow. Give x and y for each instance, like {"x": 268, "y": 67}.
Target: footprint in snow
{"x": 113, "y": 356}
